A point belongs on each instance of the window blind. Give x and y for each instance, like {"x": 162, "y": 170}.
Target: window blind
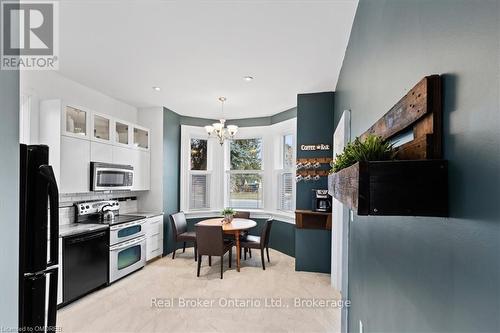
{"x": 199, "y": 192}
{"x": 286, "y": 191}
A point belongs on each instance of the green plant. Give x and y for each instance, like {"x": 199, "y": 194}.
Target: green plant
{"x": 228, "y": 211}
{"x": 373, "y": 148}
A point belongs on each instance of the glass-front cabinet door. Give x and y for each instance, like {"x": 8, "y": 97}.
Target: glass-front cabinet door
{"x": 101, "y": 128}
{"x": 122, "y": 132}
{"x": 75, "y": 121}
{"x": 141, "y": 138}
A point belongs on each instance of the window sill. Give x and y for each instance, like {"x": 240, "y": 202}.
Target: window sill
{"x": 254, "y": 213}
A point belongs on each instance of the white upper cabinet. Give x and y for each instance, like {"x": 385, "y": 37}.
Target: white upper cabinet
{"x": 141, "y": 137}
{"x": 123, "y": 155}
{"x": 140, "y": 160}
{"x": 77, "y": 136}
{"x": 142, "y": 170}
{"x": 101, "y": 152}
{"x": 122, "y": 133}
{"x": 75, "y": 165}
{"x": 101, "y": 128}
{"x": 75, "y": 122}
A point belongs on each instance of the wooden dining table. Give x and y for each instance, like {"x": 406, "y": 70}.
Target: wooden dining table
{"x": 235, "y": 227}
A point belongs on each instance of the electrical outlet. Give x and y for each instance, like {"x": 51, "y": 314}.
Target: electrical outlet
{"x": 360, "y": 326}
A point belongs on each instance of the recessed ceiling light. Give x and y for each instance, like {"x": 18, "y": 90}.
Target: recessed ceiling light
{"x": 156, "y": 88}
{"x": 248, "y": 78}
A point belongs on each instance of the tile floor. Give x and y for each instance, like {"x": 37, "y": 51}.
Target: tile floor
{"x": 127, "y": 305}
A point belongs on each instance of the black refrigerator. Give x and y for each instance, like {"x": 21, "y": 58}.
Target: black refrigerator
{"x": 38, "y": 240}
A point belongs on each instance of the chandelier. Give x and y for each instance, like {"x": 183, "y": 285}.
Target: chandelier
{"x": 217, "y": 130}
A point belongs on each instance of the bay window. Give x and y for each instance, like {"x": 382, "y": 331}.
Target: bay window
{"x": 255, "y": 171}
{"x": 245, "y": 174}
{"x": 199, "y": 177}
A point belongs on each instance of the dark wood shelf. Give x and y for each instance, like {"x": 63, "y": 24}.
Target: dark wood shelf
{"x": 308, "y": 219}
{"x": 402, "y": 188}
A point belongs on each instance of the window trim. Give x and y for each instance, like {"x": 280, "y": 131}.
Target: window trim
{"x": 207, "y": 173}
{"x": 188, "y": 133}
{"x": 229, "y": 172}
{"x": 284, "y": 170}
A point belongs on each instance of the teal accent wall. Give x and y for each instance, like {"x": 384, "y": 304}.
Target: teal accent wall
{"x": 171, "y": 172}
{"x": 313, "y": 248}
{"x": 244, "y": 122}
{"x": 314, "y": 125}
{"x": 285, "y": 115}
{"x": 424, "y": 274}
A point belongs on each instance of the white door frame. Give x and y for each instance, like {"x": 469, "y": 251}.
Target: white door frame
{"x": 340, "y": 226}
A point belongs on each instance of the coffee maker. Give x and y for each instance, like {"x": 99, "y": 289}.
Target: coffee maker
{"x": 321, "y": 201}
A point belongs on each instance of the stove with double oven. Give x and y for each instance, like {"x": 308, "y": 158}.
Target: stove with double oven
{"x": 127, "y": 235}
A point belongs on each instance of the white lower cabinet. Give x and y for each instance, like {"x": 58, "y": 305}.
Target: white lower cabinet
{"x": 60, "y": 274}
{"x": 75, "y": 165}
{"x": 154, "y": 237}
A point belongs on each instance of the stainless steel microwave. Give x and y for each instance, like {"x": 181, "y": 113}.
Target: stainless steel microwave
{"x": 109, "y": 177}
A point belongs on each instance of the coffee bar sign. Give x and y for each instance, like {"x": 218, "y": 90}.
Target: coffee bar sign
{"x": 319, "y": 146}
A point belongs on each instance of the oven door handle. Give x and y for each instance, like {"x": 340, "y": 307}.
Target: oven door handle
{"x": 127, "y": 225}
{"x": 127, "y": 244}
{"x": 115, "y": 169}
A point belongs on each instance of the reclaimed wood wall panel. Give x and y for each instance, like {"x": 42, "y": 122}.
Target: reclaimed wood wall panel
{"x": 416, "y": 184}
{"x": 420, "y": 110}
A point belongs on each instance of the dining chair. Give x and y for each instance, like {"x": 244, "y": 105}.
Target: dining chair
{"x": 242, "y": 215}
{"x": 180, "y": 233}
{"x": 256, "y": 242}
{"x": 211, "y": 242}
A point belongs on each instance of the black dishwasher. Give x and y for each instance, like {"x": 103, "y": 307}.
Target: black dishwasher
{"x": 85, "y": 264}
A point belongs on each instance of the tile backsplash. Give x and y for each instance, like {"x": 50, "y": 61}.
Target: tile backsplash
{"x": 128, "y": 203}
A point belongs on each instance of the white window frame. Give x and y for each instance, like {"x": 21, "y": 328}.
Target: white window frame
{"x": 228, "y": 172}
{"x": 194, "y": 132}
{"x": 285, "y": 170}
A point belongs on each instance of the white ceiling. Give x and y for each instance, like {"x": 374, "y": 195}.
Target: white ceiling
{"x": 199, "y": 50}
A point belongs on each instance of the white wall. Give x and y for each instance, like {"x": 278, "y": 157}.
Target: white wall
{"x": 9, "y": 199}
{"x": 42, "y": 85}
{"x": 152, "y": 118}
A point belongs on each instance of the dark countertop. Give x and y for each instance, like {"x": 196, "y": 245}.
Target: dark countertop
{"x": 79, "y": 228}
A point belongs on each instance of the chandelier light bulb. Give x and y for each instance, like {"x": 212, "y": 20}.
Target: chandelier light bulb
{"x": 209, "y": 129}
{"x": 218, "y": 130}
{"x": 218, "y": 126}
{"x": 232, "y": 129}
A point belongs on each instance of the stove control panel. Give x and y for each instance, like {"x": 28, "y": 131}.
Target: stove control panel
{"x": 95, "y": 207}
